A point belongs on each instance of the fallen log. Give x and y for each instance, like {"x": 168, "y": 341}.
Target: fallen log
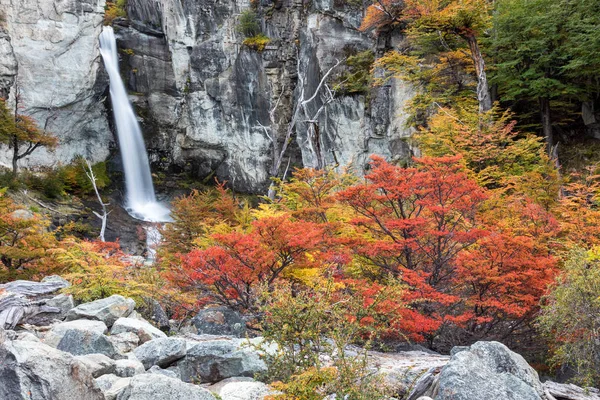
{"x": 562, "y": 391}
{"x": 20, "y": 300}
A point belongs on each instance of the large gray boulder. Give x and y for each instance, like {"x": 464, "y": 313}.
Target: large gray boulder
{"x": 241, "y": 389}
{"x": 155, "y": 386}
{"x": 58, "y": 331}
{"x": 35, "y": 371}
{"x": 490, "y": 371}
{"x": 79, "y": 342}
{"x": 215, "y": 360}
{"x": 107, "y": 310}
{"x": 124, "y": 342}
{"x": 97, "y": 364}
{"x": 143, "y": 329}
{"x": 128, "y": 368}
{"x": 219, "y": 321}
{"x": 161, "y": 352}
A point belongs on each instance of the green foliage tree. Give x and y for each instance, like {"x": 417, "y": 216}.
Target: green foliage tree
{"x": 570, "y": 316}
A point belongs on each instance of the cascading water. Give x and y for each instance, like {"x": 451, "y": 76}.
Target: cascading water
{"x": 140, "y": 197}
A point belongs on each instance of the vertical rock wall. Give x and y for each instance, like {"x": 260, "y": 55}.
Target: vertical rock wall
{"x": 49, "y": 65}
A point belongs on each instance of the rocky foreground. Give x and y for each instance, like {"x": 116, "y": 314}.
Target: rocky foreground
{"x": 106, "y": 350}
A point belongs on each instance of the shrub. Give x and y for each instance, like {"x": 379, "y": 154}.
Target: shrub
{"x": 308, "y": 324}
{"x": 248, "y": 24}
{"x": 113, "y": 10}
{"x": 356, "y": 79}
{"x": 257, "y": 42}
{"x": 570, "y": 316}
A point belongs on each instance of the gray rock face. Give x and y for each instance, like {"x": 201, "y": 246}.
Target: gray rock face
{"x": 106, "y": 381}
{"x": 124, "y": 342}
{"x": 215, "y": 360}
{"x": 151, "y": 387}
{"x": 219, "y": 321}
{"x": 128, "y": 368}
{"x": 203, "y": 94}
{"x": 143, "y": 330}
{"x": 241, "y": 389}
{"x": 35, "y": 371}
{"x": 58, "y": 331}
{"x": 49, "y": 54}
{"x": 97, "y": 364}
{"x": 79, "y": 342}
{"x": 158, "y": 370}
{"x": 489, "y": 370}
{"x": 161, "y": 352}
{"x": 107, "y": 310}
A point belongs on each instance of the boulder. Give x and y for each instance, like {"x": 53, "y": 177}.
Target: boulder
{"x": 117, "y": 388}
{"x": 106, "y": 381}
{"x": 158, "y": 370}
{"x": 124, "y": 342}
{"x": 79, "y": 342}
{"x": 58, "y": 331}
{"x": 215, "y": 360}
{"x": 154, "y": 386}
{"x": 97, "y": 364}
{"x": 35, "y": 371}
{"x": 128, "y": 368}
{"x": 161, "y": 352}
{"x": 107, "y": 310}
{"x": 219, "y": 321}
{"x": 27, "y": 336}
{"x": 62, "y": 303}
{"x": 488, "y": 370}
{"x": 143, "y": 329}
{"x": 241, "y": 389}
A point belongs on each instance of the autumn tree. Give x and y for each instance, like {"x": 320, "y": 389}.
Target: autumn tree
{"x": 231, "y": 268}
{"x": 22, "y": 134}
{"x": 24, "y": 241}
{"x": 443, "y": 20}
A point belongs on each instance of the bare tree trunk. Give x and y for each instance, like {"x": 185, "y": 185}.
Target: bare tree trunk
{"x": 483, "y": 90}
{"x": 15, "y": 157}
{"x": 546, "y": 124}
{"x": 104, "y": 215}
{"x": 301, "y": 106}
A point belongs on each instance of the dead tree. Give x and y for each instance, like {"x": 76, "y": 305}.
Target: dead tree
{"x": 104, "y": 216}
{"x": 20, "y": 300}
{"x": 300, "y": 108}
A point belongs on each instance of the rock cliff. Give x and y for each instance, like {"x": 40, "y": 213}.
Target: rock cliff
{"x": 202, "y": 96}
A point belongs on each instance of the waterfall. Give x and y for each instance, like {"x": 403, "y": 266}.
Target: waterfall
{"x": 140, "y": 197}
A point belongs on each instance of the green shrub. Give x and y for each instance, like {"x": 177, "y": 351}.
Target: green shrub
{"x": 113, "y": 10}
{"x": 356, "y": 79}
{"x": 307, "y": 324}
{"x": 248, "y": 24}
{"x": 570, "y": 316}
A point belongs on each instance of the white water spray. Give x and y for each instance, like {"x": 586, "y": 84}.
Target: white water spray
{"x": 140, "y": 198}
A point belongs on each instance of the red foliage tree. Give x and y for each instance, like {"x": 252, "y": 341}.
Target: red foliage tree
{"x": 231, "y": 270}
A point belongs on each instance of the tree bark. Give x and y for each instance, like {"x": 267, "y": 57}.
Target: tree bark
{"x": 15, "y": 158}
{"x": 546, "y": 123}
{"x": 483, "y": 90}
